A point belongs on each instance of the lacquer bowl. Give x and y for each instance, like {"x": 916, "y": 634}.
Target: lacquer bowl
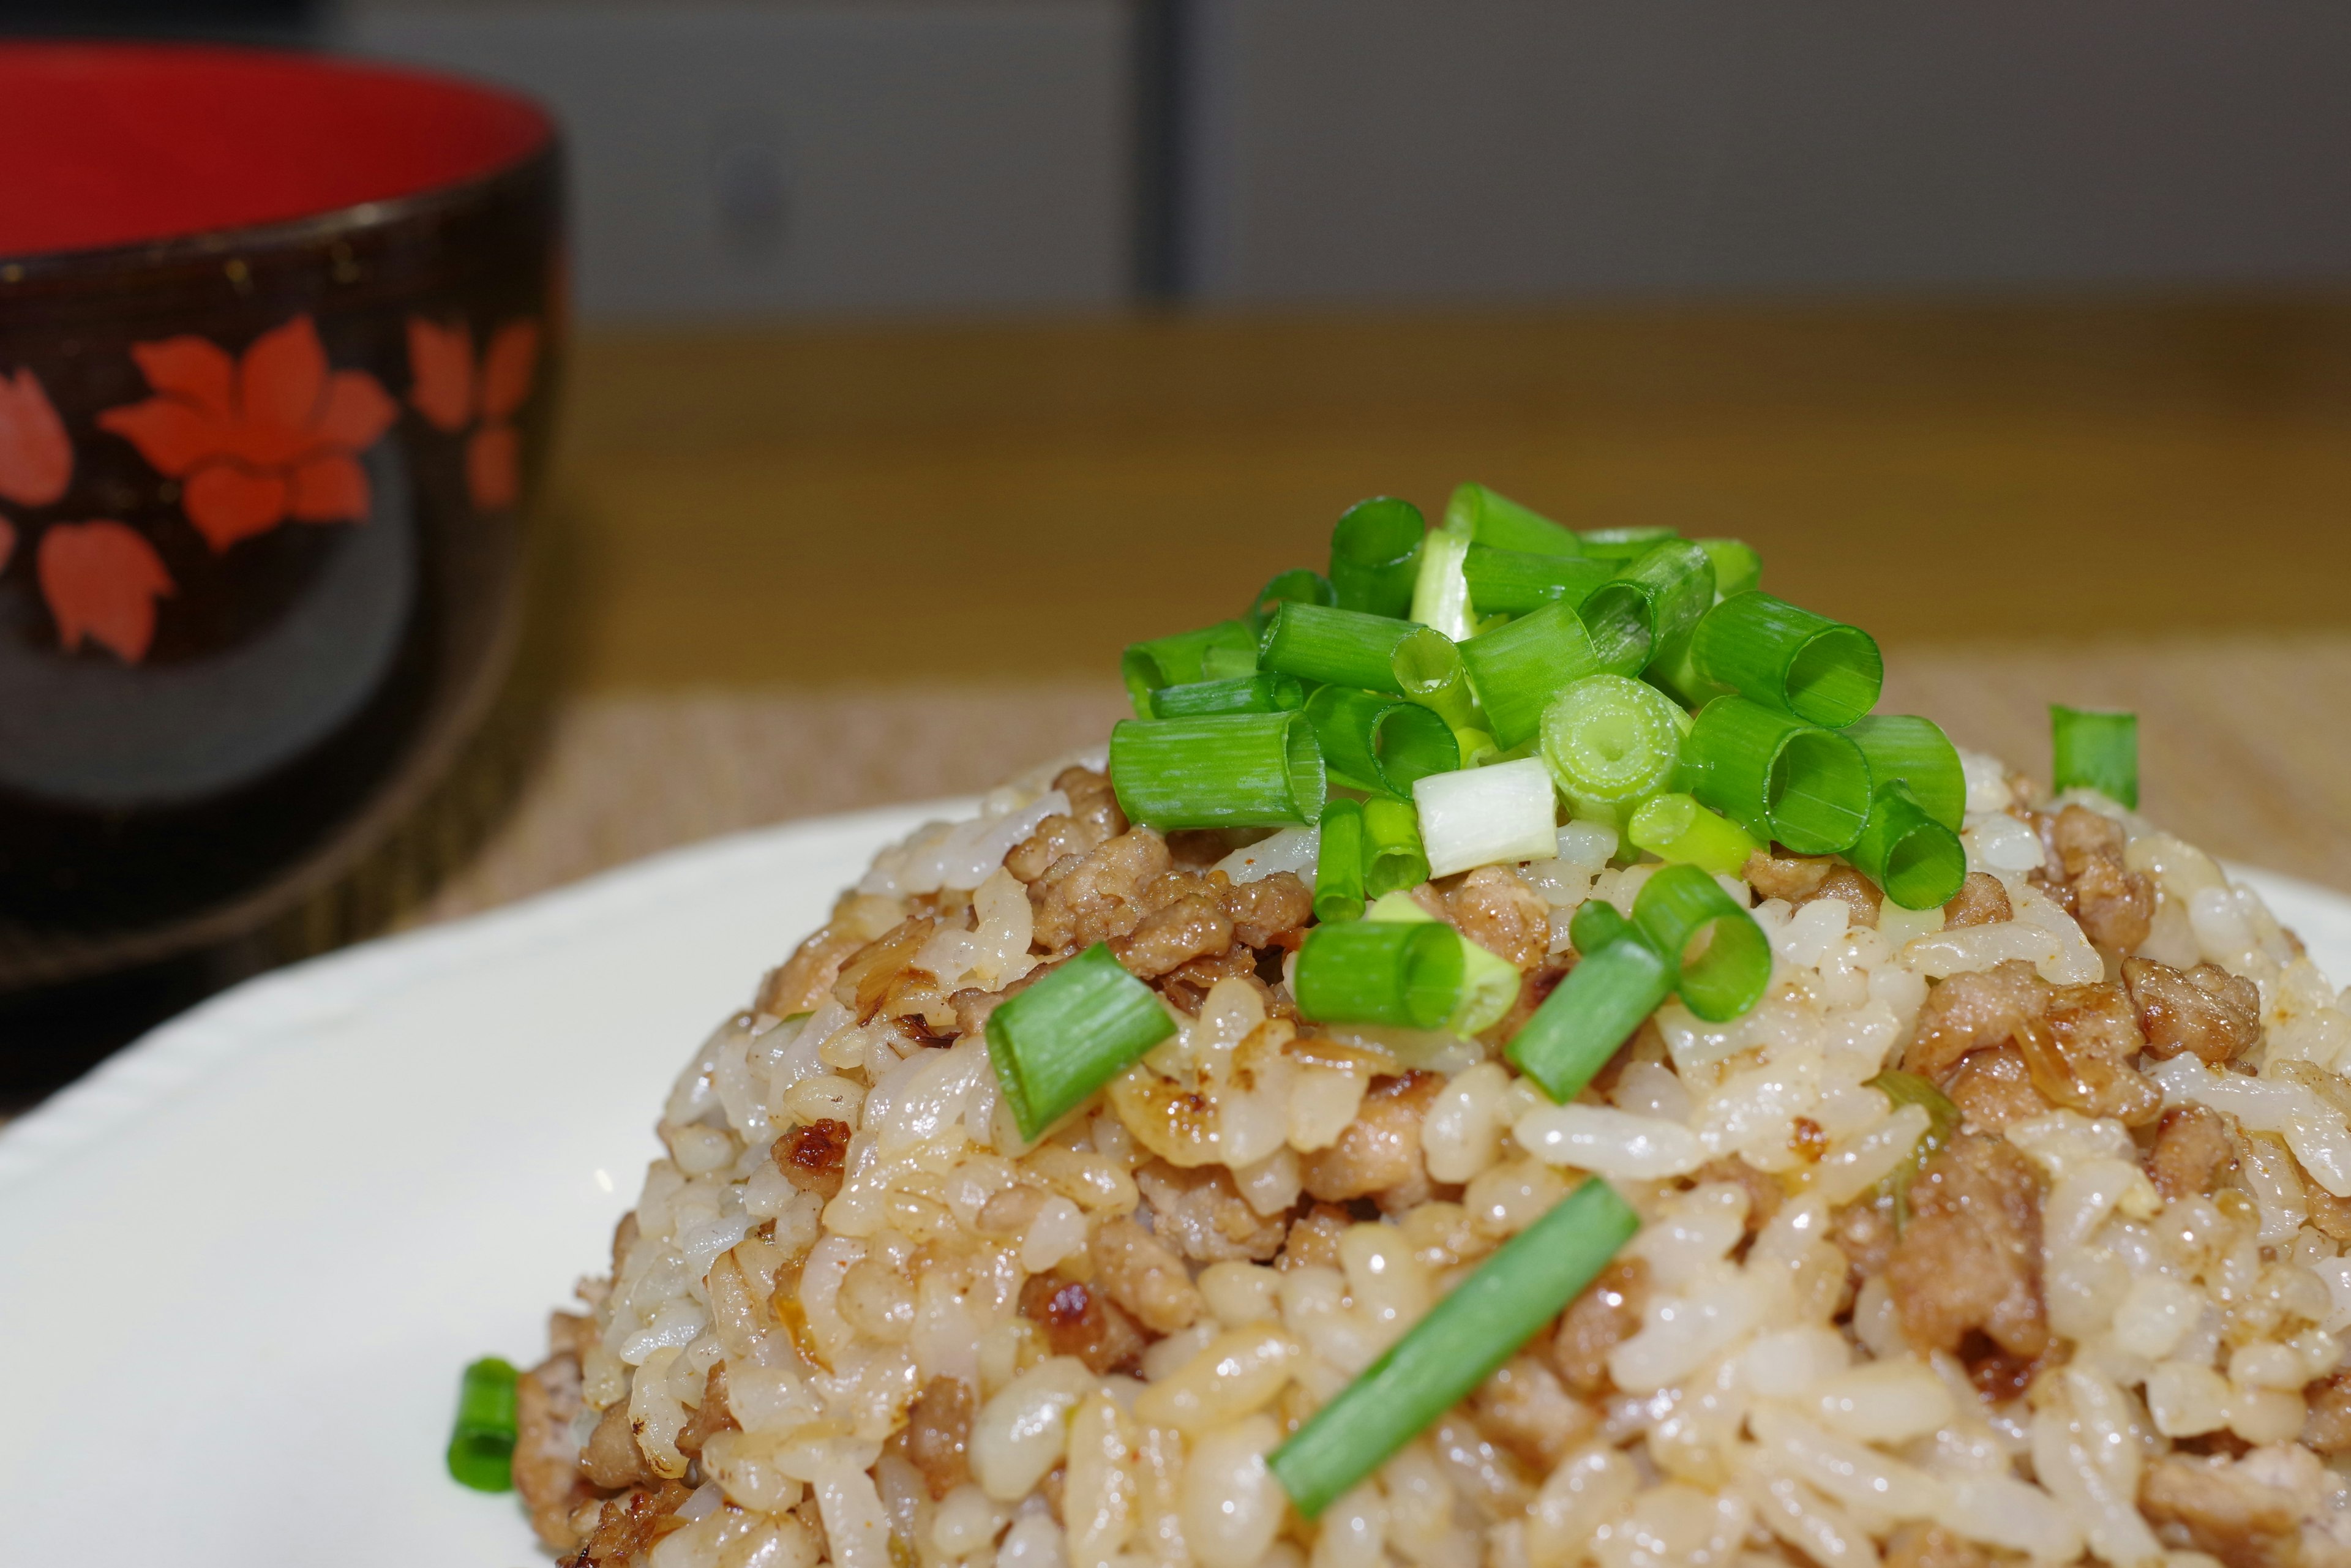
{"x": 277, "y": 334}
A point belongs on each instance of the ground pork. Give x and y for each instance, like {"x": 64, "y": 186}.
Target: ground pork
{"x": 2082, "y": 1057}
{"x": 1313, "y": 1240}
{"x": 628, "y": 1523}
{"x": 1139, "y": 1273}
{"x": 1100, "y": 895}
{"x": 2220, "y": 1506}
{"x": 1200, "y": 1213}
{"x": 1969, "y": 1259}
{"x": 938, "y": 1434}
{"x": 1524, "y": 1409}
{"x": 1379, "y": 1150}
{"x": 1860, "y": 895}
{"x": 546, "y": 1470}
{"x": 1093, "y": 819}
{"x": 1192, "y": 926}
{"x": 2083, "y": 871}
{"x": 811, "y": 1156}
{"x": 711, "y": 1417}
{"x": 1495, "y": 909}
{"x": 2190, "y": 1149}
{"x": 1081, "y": 1320}
{"x": 2206, "y": 1011}
{"x": 1269, "y": 911}
{"x": 2328, "y": 1426}
{"x": 1993, "y": 1088}
{"x": 1606, "y": 1314}
{"x": 1981, "y": 901}
{"x": 611, "y": 1458}
{"x": 1974, "y": 1012}
{"x": 1776, "y": 873}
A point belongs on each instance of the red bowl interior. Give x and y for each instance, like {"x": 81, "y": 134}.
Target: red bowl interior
{"x": 113, "y": 145}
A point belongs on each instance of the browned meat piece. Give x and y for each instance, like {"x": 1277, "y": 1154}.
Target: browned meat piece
{"x": 1269, "y": 911}
{"x": 1093, "y": 800}
{"x": 1974, "y": 1012}
{"x": 1080, "y": 1319}
{"x": 1969, "y": 1259}
{"x": 2086, "y": 874}
{"x": 1202, "y": 1213}
{"x": 1093, "y": 819}
{"x": 1932, "y": 1546}
{"x": 1773, "y": 873}
{"x": 2330, "y": 1214}
{"x": 938, "y": 1434}
{"x": 570, "y": 1334}
{"x": 811, "y": 1156}
{"x": 2080, "y": 1056}
{"x": 1101, "y": 896}
{"x": 1864, "y": 1232}
{"x": 972, "y": 1006}
{"x": 1500, "y": 914}
{"x": 1763, "y": 1192}
{"x": 1856, "y": 891}
{"x": 1523, "y": 1408}
{"x": 1191, "y": 927}
{"x": 2191, "y": 1148}
{"x": 1313, "y": 1240}
{"x": 1606, "y": 1314}
{"x": 711, "y": 1417}
{"x": 629, "y": 1524}
{"x": 1057, "y": 839}
{"x": 1380, "y": 1149}
{"x": 1188, "y": 984}
{"x": 1137, "y": 1271}
{"x": 2328, "y": 1429}
{"x": 806, "y": 977}
{"x": 1993, "y": 1088}
{"x": 1981, "y": 901}
{"x": 2206, "y": 1011}
{"x": 2213, "y": 1505}
{"x": 546, "y": 1398}
{"x": 611, "y": 1458}
{"x": 866, "y": 979}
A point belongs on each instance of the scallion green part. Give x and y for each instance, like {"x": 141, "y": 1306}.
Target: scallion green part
{"x": 1339, "y": 860}
{"x": 1374, "y": 554}
{"x": 2095, "y": 750}
{"x": 1610, "y": 741}
{"x": 1943, "y": 1120}
{"x": 1918, "y": 861}
{"x": 1736, "y": 567}
{"x": 1517, "y": 669}
{"x": 1428, "y": 668}
{"x": 1776, "y": 775}
{"x": 1379, "y": 972}
{"x": 1488, "y": 518}
{"x": 1394, "y": 859}
{"x": 1297, "y": 585}
{"x": 1220, "y": 652}
{"x": 1773, "y": 653}
{"x": 1476, "y": 1327}
{"x": 1675, "y": 828}
{"x": 1489, "y": 982}
{"x": 1441, "y": 593}
{"x": 1915, "y": 750}
{"x": 1055, "y": 1043}
{"x": 1651, "y": 607}
{"x": 1513, "y": 581}
{"x": 1624, "y": 544}
{"x": 1379, "y": 744}
{"x": 1337, "y": 647}
{"x": 1219, "y": 771}
{"x": 1248, "y": 694}
{"x": 1619, "y": 979}
{"x": 481, "y": 1448}
{"x": 1674, "y": 909}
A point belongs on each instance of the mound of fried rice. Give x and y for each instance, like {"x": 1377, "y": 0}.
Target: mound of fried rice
{"x": 853, "y": 1318}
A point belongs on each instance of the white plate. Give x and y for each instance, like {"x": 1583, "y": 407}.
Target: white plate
{"x": 241, "y": 1266}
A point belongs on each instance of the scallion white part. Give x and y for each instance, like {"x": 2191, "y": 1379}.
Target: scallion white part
{"x": 1441, "y": 593}
{"x": 1487, "y": 816}
{"x": 1291, "y": 849}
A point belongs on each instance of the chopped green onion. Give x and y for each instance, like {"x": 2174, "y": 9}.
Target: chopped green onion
{"x": 1478, "y": 747}
{"x": 1649, "y": 612}
{"x": 1374, "y": 551}
{"x": 1219, "y": 771}
{"x": 2096, "y": 750}
{"x": 1943, "y": 1120}
{"x": 1771, "y": 652}
{"x": 1440, "y": 594}
{"x": 1736, "y": 567}
{"x": 1487, "y": 816}
{"x": 1677, "y": 828}
{"x": 1917, "y": 751}
{"x": 1213, "y": 653}
{"x": 1376, "y": 971}
{"x": 1918, "y": 860}
{"x": 481, "y": 1450}
{"x": 1339, "y": 861}
{"x": 1488, "y": 518}
{"x": 1428, "y": 668}
{"x": 1392, "y": 856}
{"x": 1513, "y": 581}
{"x": 1245, "y": 694}
{"x": 1624, "y": 544}
{"x": 1777, "y": 777}
{"x": 1517, "y": 669}
{"x": 1619, "y": 979}
{"x": 1379, "y": 744}
{"x": 1672, "y": 909}
{"x": 1489, "y": 982}
{"x": 1611, "y": 741}
{"x": 1297, "y": 585}
{"x": 1339, "y": 647}
{"x": 1055, "y": 1043}
{"x": 1476, "y": 1327}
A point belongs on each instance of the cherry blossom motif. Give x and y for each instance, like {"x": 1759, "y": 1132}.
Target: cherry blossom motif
{"x": 102, "y": 580}
{"x": 36, "y": 458}
{"x": 276, "y": 434}
{"x": 449, "y": 393}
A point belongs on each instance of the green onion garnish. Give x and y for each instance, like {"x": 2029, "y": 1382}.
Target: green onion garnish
{"x": 1517, "y": 668}
{"x": 1512, "y": 581}
{"x": 1339, "y": 861}
{"x": 1377, "y": 971}
{"x": 1055, "y": 1043}
{"x": 1374, "y": 551}
{"x": 1492, "y": 815}
{"x": 481, "y": 1450}
{"x": 1917, "y": 751}
{"x": 1392, "y": 856}
{"x": 1677, "y": 905}
{"x": 1773, "y": 653}
{"x": 1488, "y": 518}
{"x": 1918, "y": 860}
{"x": 1218, "y": 770}
{"x": 1647, "y": 613}
{"x": 1377, "y": 743}
{"x": 1343, "y": 647}
{"x": 1677, "y": 828}
{"x": 1619, "y": 979}
{"x": 1469, "y": 1333}
{"x": 1213, "y": 653}
{"x": 1736, "y": 567}
{"x": 1478, "y": 747}
{"x": 1624, "y": 544}
{"x": 1440, "y": 594}
{"x": 1611, "y": 741}
{"x": 1776, "y": 775}
{"x": 2096, "y": 750}
{"x": 1245, "y": 693}
{"x": 1297, "y": 585}
{"x": 1489, "y": 982}
{"x": 1943, "y": 1120}
{"x": 1428, "y": 668}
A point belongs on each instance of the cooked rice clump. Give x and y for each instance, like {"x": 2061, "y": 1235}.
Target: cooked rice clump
{"x": 854, "y": 1318}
